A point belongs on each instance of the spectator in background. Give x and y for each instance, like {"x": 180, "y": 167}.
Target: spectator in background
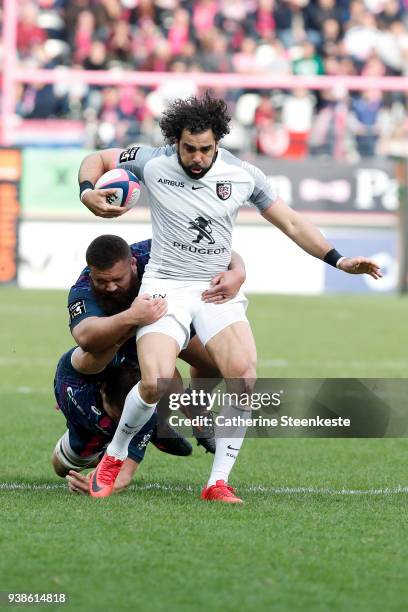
{"x": 108, "y": 12}
{"x": 70, "y": 14}
{"x": 29, "y": 33}
{"x": 329, "y": 133}
{"x": 245, "y": 60}
{"x": 304, "y": 37}
{"x": 347, "y": 66}
{"x": 85, "y": 28}
{"x": 132, "y": 104}
{"x": 273, "y": 57}
{"x": 373, "y": 67}
{"x": 159, "y": 60}
{"x": 163, "y": 11}
{"x": 109, "y": 110}
{"x": 361, "y": 36}
{"x": 215, "y": 56}
{"x": 97, "y": 58}
{"x": 231, "y": 21}
{"x": 263, "y": 21}
{"x": 204, "y": 13}
{"x": 264, "y": 121}
{"x": 294, "y": 23}
{"x": 309, "y": 61}
{"x": 323, "y": 11}
{"x": 391, "y": 13}
{"x": 331, "y": 37}
{"x": 120, "y": 44}
{"x": 136, "y": 11}
{"x": 264, "y": 112}
{"x": 190, "y": 54}
{"x": 365, "y": 109}
{"x": 297, "y": 117}
{"x": 44, "y": 102}
{"x": 392, "y": 42}
{"x": 179, "y": 32}
{"x": 393, "y": 130}
{"x": 145, "y": 42}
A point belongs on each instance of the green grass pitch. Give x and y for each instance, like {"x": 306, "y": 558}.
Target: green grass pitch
{"x": 302, "y": 541}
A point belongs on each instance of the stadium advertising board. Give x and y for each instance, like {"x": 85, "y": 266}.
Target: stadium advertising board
{"x": 50, "y": 257}
{"x": 382, "y": 248}
{"x": 57, "y": 192}
{"x": 323, "y": 186}
{"x": 314, "y": 185}
{"x": 10, "y": 172}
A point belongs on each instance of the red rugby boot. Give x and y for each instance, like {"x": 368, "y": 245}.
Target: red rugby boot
{"x": 103, "y": 478}
{"x": 220, "y": 492}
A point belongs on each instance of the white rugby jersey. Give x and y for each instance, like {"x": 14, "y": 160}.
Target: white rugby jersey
{"x": 192, "y": 219}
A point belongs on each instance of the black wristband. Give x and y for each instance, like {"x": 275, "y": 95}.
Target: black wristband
{"x": 332, "y": 257}
{"x": 84, "y": 185}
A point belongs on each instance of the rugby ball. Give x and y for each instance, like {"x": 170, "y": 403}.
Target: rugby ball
{"x": 126, "y": 185}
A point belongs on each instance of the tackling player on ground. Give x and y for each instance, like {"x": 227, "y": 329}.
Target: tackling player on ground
{"x": 105, "y": 309}
{"x": 195, "y": 189}
{"x": 92, "y": 401}
{"x": 92, "y": 381}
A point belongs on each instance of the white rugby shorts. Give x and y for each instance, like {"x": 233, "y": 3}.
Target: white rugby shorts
{"x": 185, "y": 306}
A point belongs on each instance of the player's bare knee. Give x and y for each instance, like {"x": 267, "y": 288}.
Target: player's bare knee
{"x": 148, "y": 391}
{"x": 153, "y": 388}
{"x": 239, "y": 367}
{"x": 241, "y": 376}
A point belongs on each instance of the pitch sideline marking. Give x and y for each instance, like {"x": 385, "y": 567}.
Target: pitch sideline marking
{"x": 22, "y": 486}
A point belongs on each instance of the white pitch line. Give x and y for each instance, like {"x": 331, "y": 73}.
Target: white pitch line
{"x": 334, "y": 365}
{"x": 22, "y": 486}
{"x": 277, "y": 363}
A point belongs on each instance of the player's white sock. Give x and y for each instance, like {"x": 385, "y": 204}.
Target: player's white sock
{"x": 227, "y": 448}
{"x": 136, "y": 413}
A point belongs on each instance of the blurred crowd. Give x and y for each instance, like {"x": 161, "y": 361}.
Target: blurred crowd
{"x": 260, "y": 37}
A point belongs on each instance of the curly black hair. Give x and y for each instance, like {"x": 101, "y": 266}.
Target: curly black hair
{"x": 196, "y": 115}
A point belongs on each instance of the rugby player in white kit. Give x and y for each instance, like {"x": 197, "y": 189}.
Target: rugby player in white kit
{"x": 195, "y": 190}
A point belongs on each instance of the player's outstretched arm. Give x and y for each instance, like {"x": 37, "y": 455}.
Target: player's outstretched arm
{"x": 310, "y": 239}
{"x": 225, "y": 286}
{"x": 91, "y": 169}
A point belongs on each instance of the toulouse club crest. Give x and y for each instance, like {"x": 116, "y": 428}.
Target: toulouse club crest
{"x": 223, "y": 190}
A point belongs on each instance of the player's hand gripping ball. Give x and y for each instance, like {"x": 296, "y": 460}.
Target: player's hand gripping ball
{"x": 126, "y": 185}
